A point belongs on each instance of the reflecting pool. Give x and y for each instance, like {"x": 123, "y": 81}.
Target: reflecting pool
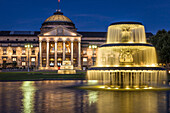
{"x": 52, "y": 97}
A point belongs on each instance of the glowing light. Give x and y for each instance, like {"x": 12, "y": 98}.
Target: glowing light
{"x": 73, "y": 34}
{"x": 126, "y": 48}
{"x": 108, "y": 88}
{"x": 150, "y": 87}
{"x": 102, "y": 87}
{"x": 136, "y": 88}
{"x": 153, "y": 65}
{"x": 93, "y": 81}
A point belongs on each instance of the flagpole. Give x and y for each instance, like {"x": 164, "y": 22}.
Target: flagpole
{"x": 58, "y": 5}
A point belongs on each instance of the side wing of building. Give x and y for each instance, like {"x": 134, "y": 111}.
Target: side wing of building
{"x": 13, "y": 52}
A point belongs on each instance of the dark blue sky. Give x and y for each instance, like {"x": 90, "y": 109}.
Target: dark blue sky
{"x": 88, "y": 15}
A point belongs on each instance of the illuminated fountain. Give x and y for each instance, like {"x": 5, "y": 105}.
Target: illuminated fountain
{"x": 127, "y": 60}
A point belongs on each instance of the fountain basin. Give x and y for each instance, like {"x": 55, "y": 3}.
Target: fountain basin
{"x": 127, "y": 60}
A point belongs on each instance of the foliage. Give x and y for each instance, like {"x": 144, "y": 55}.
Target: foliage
{"x": 5, "y": 65}
{"x": 162, "y": 43}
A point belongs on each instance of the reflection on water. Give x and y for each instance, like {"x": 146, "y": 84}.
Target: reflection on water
{"x": 28, "y": 91}
{"x": 51, "y": 97}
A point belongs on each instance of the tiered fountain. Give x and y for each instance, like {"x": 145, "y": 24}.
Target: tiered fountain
{"x": 127, "y": 60}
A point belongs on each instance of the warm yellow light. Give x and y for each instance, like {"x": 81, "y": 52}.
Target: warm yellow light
{"x": 93, "y": 81}
{"x": 117, "y": 88}
{"x": 73, "y": 34}
{"x": 136, "y": 88}
{"x": 108, "y": 88}
{"x": 153, "y": 65}
{"x": 102, "y": 87}
{"x": 150, "y": 87}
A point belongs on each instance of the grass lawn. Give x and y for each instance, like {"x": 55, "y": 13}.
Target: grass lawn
{"x": 24, "y": 76}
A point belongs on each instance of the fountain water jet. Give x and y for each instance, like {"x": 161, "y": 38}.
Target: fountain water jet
{"x": 127, "y": 60}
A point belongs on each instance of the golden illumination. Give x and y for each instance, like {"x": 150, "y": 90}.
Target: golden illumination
{"x": 102, "y": 87}
{"x": 28, "y": 90}
{"x": 126, "y": 48}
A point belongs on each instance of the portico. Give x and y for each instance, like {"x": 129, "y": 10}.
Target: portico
{"x": 58, "y": 45}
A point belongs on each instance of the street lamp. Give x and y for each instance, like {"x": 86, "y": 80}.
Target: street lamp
{"x": 28, "y": 46}
{"x": 93, "y": 47}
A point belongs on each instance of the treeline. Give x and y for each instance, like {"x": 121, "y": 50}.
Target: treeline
{"x": 162, "y": 43}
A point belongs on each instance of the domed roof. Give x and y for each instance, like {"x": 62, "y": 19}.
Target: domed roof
{"x": 58, "y": 17}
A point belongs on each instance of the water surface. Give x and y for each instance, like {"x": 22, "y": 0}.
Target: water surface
{"x": 51, "y": 97}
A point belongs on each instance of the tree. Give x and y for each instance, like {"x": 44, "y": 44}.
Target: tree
{"x": 162, "y": 43}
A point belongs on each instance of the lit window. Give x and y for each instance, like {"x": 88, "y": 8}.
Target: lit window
{"x": 84, "y": 59}
{"x": 51, "y": 63}
{"x": 4, "y": 52}
{"x": 84, "y": 52}
{"x": 23, "y": 51}
{"x": 4, "y": 59}
{"x": 32, "y": 59}
{"x": 23, "y": 63}
{"x": 14, "y": 59}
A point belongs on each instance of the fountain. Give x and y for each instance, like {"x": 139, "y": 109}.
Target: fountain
{"x": 127, "y": 60}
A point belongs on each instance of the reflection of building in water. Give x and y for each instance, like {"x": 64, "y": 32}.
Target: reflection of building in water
{"x": 50, "y": 97}
{"x": 28, "y": 91}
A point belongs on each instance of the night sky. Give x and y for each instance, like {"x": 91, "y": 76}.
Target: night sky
{"x": 88, "y": 15}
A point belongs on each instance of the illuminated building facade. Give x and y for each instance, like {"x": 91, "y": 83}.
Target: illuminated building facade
{"x": 58, "y": 40}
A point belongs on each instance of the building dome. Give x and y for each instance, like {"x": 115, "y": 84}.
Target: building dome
{"x": 57, "y": 19}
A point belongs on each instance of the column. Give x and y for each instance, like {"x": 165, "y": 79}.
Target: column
{"x": 64, "y": 51}
{"x": 79, "y": 54}
{"x": 55, "y": 53}
{"x": 72, "y": 52}
{"x": 40, "y": 46}
{"x": 47, "y": 60}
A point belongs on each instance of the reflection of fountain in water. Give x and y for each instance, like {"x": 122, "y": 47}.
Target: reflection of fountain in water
{"x": 131, "y": 102}
{"x": 126, "y": 60}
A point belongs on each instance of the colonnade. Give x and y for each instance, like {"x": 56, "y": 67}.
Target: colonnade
{"x": 55, "y": 55}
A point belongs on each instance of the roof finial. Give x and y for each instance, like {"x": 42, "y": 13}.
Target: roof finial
{"x": 58, "y": 10}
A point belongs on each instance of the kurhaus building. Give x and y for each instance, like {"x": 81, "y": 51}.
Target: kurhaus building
{"x": 58, "y": 40}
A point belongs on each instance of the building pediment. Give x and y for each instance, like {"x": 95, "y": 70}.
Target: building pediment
{"x": 60, "y": 31}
